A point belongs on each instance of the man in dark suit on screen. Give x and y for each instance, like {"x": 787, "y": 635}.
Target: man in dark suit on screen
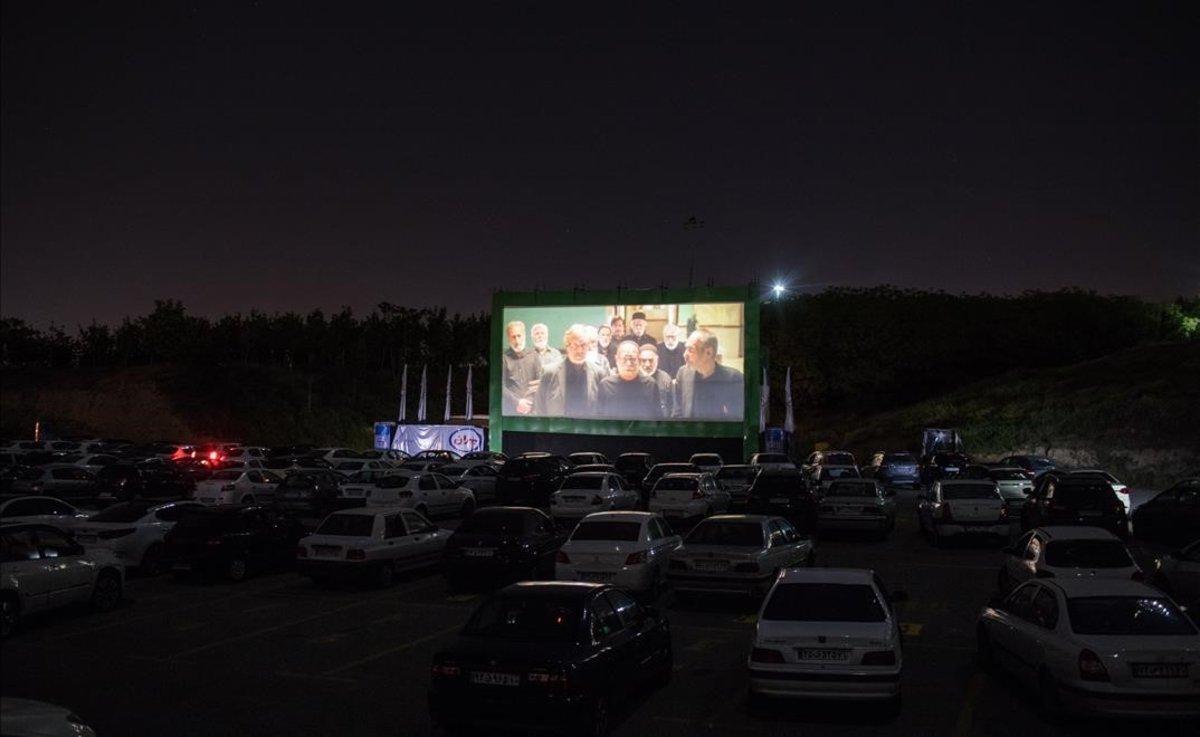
{"x": 704, "y": 389}
{"x": 569, "y": 387}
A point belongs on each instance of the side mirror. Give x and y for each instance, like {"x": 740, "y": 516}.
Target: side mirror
{"x": 898, "y": 597}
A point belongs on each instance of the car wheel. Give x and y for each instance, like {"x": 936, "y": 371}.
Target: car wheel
{"x": 10, "y": 614}
{"x": 385, "y": 575}
{"x": 236, "y": 569}
{"x": 106, "y": 594}
{"x": 468, "y": 508}
{"x": 152, "y": 560}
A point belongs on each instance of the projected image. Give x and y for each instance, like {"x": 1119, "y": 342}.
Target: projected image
{"x": 625, "y": 362}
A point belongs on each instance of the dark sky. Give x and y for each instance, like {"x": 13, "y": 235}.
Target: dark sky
{"x": 280, "y": 158}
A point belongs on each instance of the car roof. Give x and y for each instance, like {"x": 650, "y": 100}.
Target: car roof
{"x": 854, "y": 480}
{"x": 684, "y": 475}
{"x": 573, "y": 590}
{"x": 826, "y": 575}
{"x": 1079, "y": 532}
{"x": 366, "y": 511}
{"x": 589, "y": 474}
{"x": 760, "y": 518}
{"x": 6, "y": 498}
{"x": 1075, "y": 588}
{"x": 964, "y": 482}
{"x": 621, "y": 515}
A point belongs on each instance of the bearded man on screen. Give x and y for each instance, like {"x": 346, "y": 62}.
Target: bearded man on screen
{"x": 629, "y": 395}
{"x": 569, "y": 387}
{"x": 704, "y": 389}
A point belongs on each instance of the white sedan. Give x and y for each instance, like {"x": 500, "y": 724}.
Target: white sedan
{"x": 233, "y": 486}
{"x": 44, "y": 509}
{"x": 962, "y": 507}
{"x": 372, "y": 544}
{"x": 429, "y": 493}
{"x": 626, "y": 549}
{"x": 679, "y": 496}
{"x": 133, "y": 531}
{"x": 28, "y": 718}
{"x": 1095, "y": 646}
{"x": 368, "y": 469}
{"x": 584, "y": 493}
{"x": 1058, "y": 551}
{"x": 480, "y": 478}
{"x": 827, "y": 633}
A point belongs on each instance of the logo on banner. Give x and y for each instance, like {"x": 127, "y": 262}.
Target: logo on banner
{"x": 466, "y": 440}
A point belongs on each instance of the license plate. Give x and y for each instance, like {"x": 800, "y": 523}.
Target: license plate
{"x": 711, "y": 565}
{"x": 951, "y": 469}
{"x": 823, "y": 654}
{"x": 326, "y": 551}
{"x": 353, "y": 492}
{"x": 487, "y": 678}
{"x": 1159, "y": 670}
{"x": 479, "y": 552}
{"x": 847, "y": 511}
{"x": 779, "y": 500}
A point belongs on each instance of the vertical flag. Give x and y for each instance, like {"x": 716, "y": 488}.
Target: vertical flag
{"x": 764, "y": 399}
{"x": 470, "y": 411}
{"x": 421, "y": 402}
{"x": 403, "y": 395}
{"x": 449, "y": 376}
{"x": 789, "y": 425}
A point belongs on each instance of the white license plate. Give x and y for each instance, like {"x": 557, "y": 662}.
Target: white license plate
{"x": 326, "y": 551}
{"x": 779, "y": 500}
{"x": 479, "y": 552}
{"x": 823, "y": 654}
{"x": 711, "y": 565}
{"x": 1159, "y": 670}
{"x": 487, "y": 678}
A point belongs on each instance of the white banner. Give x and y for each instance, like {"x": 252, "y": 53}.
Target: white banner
{"x": 413, "y": 439}
{"x": 449, "y": 376}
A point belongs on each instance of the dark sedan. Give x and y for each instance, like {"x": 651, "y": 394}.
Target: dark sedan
{"x": 634, "y": 467}
{"x": 942, "y": 465}
{"x": 540, "y": 656}
{"x": 233, "y": 540}
{"x": 498, "y": 545}
{"x": 531, "y": 479}
{"x": 783, "y": 492}
{"x": 308, "y": 494}
{"x": 125, "y": 481}
{"x": 1172, "y": 517}
{"x": 1075, "y": 501}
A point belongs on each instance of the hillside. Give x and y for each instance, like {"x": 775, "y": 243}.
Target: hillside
{"x": 1136, "y": 412}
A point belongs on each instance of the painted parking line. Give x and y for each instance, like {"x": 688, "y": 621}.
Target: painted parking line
{"x": 391, "y": 651}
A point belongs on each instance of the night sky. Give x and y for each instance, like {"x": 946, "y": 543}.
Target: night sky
{"x": 275, "y": 158}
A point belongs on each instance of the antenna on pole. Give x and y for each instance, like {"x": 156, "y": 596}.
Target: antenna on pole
{"x": 691, "y": 224}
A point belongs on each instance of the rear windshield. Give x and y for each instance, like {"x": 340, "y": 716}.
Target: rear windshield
{"x": 676, "y": 483}
{"x": 494, "y": 523}
{"x": 739, "y": 534}
{"x": 849, "y": 472}
{"x": 393, "y": 482}
{"x": 226, "y": 475}
{"x": 663, "y": 469}
{"x": 1085, "y": 496}
{"x": 824, "y": 602}
{"x": 1087, "y": 554}
{"x": 778, "y": 484}
{"x": 729, "y": 473}
{"x": 772, "y": 458}
{"x": 1006, "y": 475}
{"x": 124, "y": 512}
{"x": 709, "y": 460}
{"x": 1127, "y": 615}
{"x": 607, "y": 530}
{"x": 527, "y": 619}
{"x": 846, "y": 488}
{"x": 838, "y": 459}
{"x": 899, "y": 458}
{"x": 348, "y": 525}
{"x": 523, "y": 466}
{"x": 969, "y": 491}
{"x": 584, "y": 482}
{"x": 296, "y": 481}
{"x": 629, "y": 463}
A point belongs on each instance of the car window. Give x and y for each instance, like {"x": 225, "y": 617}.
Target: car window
{"x": 655, "y": 530}
{"x": 604, "y": 620}
{"x": 255, "y": 477}
{"x": 1020, "y": 602}
{"x": 427, "y": 483}
{"x": 1045, "y": 609}
{"x": 444, "y": 482}
{"x": 55, "y": 507}
{"x": 628, "y": 610}
{"x": 347, "y": 525}
{"x": 824, "y": 602}
{"x": 21, "y": 508}
{"x": 776, "y": 533}
{"x": 415, "y": 522}
{"x": 393, "y": 526}
{"x": 173, "y": 512}
{"x": 1127, "y": 615}
{"x": 55, "y": 544}
{"x": 17, "y": 545}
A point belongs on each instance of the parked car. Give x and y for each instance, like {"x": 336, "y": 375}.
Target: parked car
{"x": 479, "y": 478}
{"x": 601, "y": 468}
{"x": 333, "y": 456}
{"x": 232, "y": 486}
{"x": 500, "y": 544}
{"x": 662, "y": 469}
{"x": 43, "y": 567}
{"x": 821, "y": 458}
{"x": 634, "y": 467}
{"x": 783, "y": 492}
{"x": 28, "y": 718}
{"x": 857, "y": 505}
{"x": 487, "y": 457}
{"x": 962, "y": 507}
{"x": 1031, "y": 466}
{"x": 445, "y": 456}
{"x": 1013, "y": 485}
{"x": 234, "y": 540}
{"x": 1096, "y": 474}
{"x": 894, "y": 469}
{"x": 549, "y": 655}
{"x": 1172, "y": 517}
{"x": 93, "y": 462}
{"x": 531, "y": 479}
{"x": 1095, "y": 646}
{"x": 368, "y": 469}
{"x": 61, "y": 480}
{"x": 1178, "y": 574}
{"x": 1075, "y": 501}
{"x": 371, "y": 545}
{"x": 125, "y": 481}
{"x": 39, "y": 509}
{"x": 586, "y": 458}
{"x": 308, "y": 494}
{"x": 827, "y": 633}
{"x": 392, "y": 456}
{"x": 737, "y": 554}
{"x": 942, "y": 465}
{"x": 133, "y": 531}
{"x": 246, "y": 453}
{"x": 682, "y": 497}
{"x": 628, "y": 549}
{"x": 707, "y": 462}
{"x": 1058, "y": 552}
{"x": 736, "y": 478}
{"x": 430, "y": 494}
{"x": 584, "y": 493}
{"x": 823, "y": 476}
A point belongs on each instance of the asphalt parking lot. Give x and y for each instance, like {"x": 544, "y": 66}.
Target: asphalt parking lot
{"x": 277, "y": 655}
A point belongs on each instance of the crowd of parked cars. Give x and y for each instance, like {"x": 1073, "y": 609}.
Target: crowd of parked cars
{"x": 577, "y": 550}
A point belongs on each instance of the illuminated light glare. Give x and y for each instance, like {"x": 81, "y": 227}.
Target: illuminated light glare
{"x": 778, "y": 289}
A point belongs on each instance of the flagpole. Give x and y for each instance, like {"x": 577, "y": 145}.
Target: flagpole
{"x": 449, "y": 376}
{"x": 421, "y": 404}
{"x": 403, "y": 396}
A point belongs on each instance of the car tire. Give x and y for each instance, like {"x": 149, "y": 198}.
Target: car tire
{"x": 152, "y": 561}
{"x": 106, "y": 593}
{"x": 468, "y": 508}
{"x": 236, "y": 569}
{"x": 10, "y": 614}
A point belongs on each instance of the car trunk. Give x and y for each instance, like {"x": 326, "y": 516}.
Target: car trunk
{"x": 603, "y": 554}
{"x": 823, "y": 644}
{"x": 716, "y": 558}
{"x": 975, "y": 510}
{"x": 1157, "y": 664}
{"x": 674, "y": 496}
{"x": 334, "y": 547}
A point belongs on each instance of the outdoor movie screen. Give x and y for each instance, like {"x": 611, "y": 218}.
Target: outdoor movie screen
{"x": 666, "y": 362}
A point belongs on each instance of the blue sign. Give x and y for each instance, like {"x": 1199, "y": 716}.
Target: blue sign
{"x": 383, "y": 435}
{"x": 775, "y": 440}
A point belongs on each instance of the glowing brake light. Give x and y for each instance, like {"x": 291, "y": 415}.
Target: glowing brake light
{"x": 445, "y": 670}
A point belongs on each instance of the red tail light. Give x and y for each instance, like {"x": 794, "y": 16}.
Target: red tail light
{"x": 879, "y": 657}
{"x": 213, "y": 455}
{"x": 1090, "y": 667}
{"x": 445, "y": 670}
{"x": 356, "y": 554}
{"x": 301, "y": 552}
{"x": 635, "y": 559}
{"x": 765, "y": 655}
{"x": 562, "y": 557}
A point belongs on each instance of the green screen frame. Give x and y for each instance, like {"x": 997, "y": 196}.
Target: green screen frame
{"x": 747, "y": 429}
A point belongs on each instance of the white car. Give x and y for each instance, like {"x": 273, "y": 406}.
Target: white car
{"x": 480, "y": 478}
{"x": 233, "y": 486}
{"x": 707, "y": 462}
{"x": 1097, "y": 474}
{"x": 680, "y": 496}
{"x": 93, "y": 462}
{"x": 133, "y": 531}
{"x": 27, "y": 718}
{"x": 1095, "y": 646}
{"x": 626, "y": 549}
{"x": 586, "y": 458}
{"x": 584, "y": 493}
{"x": 487, "y": 457}
{"x": 395, "y": 456}
{"x": 241, "y": 465}
{"x": 962, "y": 507}
{"x": 59, "y": 479}
{"x": 42, "y": 568}
{"x": 1013, "y": 485}
{"x": 422, "y": 465}
{"x": 771, "y": 460}
{"x": 367, "y": 468}
{"x": 42, "y": 509}
{"x": 246, "y": 453}
{"x": 822, "y": 477}
{"x": 431, "y": 494}
{"x": 335, "y": 455}
{"x": 1178, "y": 574}
{"x": 370, "y": 543}
{"x": 1066, "y": 551}
{"x": 827, "y": 633}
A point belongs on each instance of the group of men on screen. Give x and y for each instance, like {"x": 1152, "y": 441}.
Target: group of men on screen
{"x": 604, "y": 372}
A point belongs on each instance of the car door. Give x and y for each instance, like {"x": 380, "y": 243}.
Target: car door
{"x": 69, "y": 574}
{"x": 615, "y": 658}
{"x": 23, "y": 562}
{"x": 261, "y": 542}
{"x": 483, "y": 481}
{"x": 639, "y": 640}
{"x": 423, "y": 539}
{"x": 427, "y": 490}
{"x": 1035, "y": 631}
{"x": 797, "y": 544}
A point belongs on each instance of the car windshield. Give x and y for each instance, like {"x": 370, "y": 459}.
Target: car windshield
{"x": 226, "y": 475}
{"x": 1085, "y": 496}
{"x": 358, "y": 477}
{"x": 1005, "y": 475}
{"x": 676, "y": 483}
{"x": 899, "y": 458}
{"x": 607, "y": 530}
{"x": 1087, "y": 554}
{"x": 583, "y": 483}
{"x": 968, "y": 491}
{"x": 530, "y": 619}
{"x": 721, "y": 532}
{"x": 770, "y": 483}
{"x": 123, "y": 512}
{"x": 849, "y": 488}
{"x": 824, "y": 602}
{"x": 735, "y": 473}
{"x": 477, "y": 456}
{"x": 494, "y": 523}
{"x": 1127, "y": 615}
{"x": 834, "y": 472}
{"x": 347, "y": 525}
{"x": 708, "y": 460}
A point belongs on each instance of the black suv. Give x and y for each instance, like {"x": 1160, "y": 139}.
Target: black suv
{"x": 1075, "y": 501}
{"x": 125, "y": 481}
{"x": 783, "y": 492}
{"x": 232, "y": 540}
{"x": 531, "y": 479}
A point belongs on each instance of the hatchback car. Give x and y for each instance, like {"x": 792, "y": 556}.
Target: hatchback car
{"x": 531, "y": 479}
{"x": 736, "y": 479}
{"x": 783, "y": 492}
{"x": 40, "y": 509}
{"x": 895, "y": 469}
{"x": 1172, "y": 517}
{"x": 1031, "y": 466}
{"x": 308, "y": 494}
{"x": 737, "y": 554}
{"x": 480, "y": 478}
{"x": 626, "y": 549}
{"x": 634, "y": 467}
{"x": 1057, "y": 552}
{"x": 684, "y": 497}
{"x": 942, "y": 465}
{"x": 962, "y": 507}
{"x": 234, "y": 541}
{"x": 857, "y": 505}
{"x": 234, "y": 486}
{"x": 60, "y": 480}
{"x": 133, "y": 531}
